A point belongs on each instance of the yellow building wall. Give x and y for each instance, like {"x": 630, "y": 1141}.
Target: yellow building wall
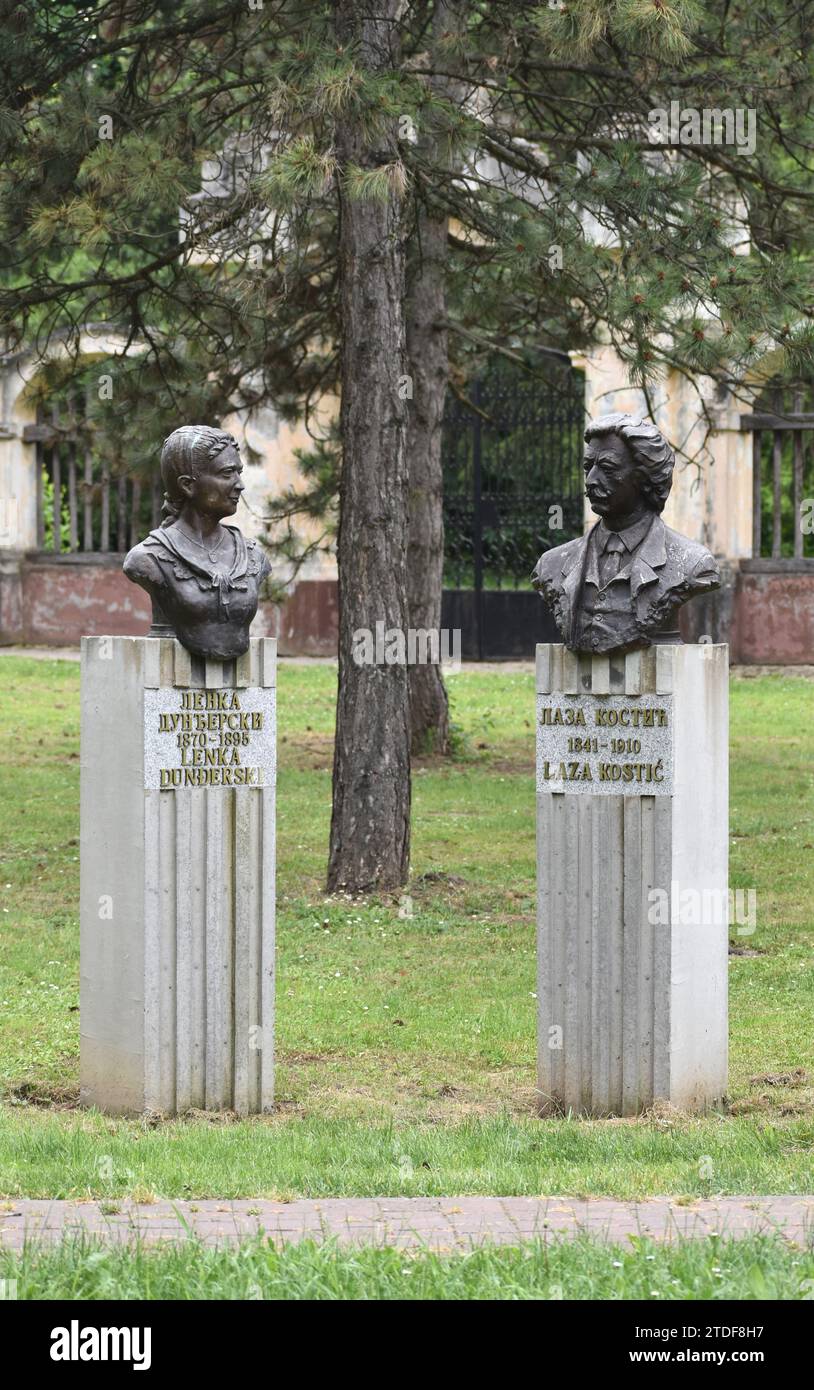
{"x": 711, "y": 500}
{"x": 271, "y": 467}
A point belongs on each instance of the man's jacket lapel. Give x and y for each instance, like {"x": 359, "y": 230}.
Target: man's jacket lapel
{"x": 647, "y": 568}
{"x": 573, "y": 573}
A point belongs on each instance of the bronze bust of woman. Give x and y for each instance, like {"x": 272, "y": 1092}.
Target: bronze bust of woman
{"x": 203, "y": 577}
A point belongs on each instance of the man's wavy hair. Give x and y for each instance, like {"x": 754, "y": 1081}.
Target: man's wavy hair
{"x": 654, "y": 457}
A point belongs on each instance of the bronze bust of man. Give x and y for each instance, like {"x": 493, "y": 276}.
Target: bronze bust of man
{"x": 203, "y": 577}
{"x": 620, "y": 586}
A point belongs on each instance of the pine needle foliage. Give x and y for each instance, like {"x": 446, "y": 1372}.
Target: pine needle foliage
{"x": 530, "y": 128}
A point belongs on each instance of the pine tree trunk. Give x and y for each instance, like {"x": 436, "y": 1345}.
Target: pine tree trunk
{"x": 427, "y": 359}
{"x": 370, "y": 825}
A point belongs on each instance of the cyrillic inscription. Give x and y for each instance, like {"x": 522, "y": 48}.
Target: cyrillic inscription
{"x": 603, "y": 744}
{"x": 209, "y": 738}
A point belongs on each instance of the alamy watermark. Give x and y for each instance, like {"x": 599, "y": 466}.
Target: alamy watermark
{"x": 76, "y": 1343}
{"x": 703, "y": 907}
{"x": 417, "y": 646}
{"x": 689, "y": 125}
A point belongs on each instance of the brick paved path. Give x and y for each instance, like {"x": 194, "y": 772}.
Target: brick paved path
{"x": 440, "y": 1223}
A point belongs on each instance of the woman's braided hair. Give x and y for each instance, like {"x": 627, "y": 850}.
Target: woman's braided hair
{"x": 184, "y": 452}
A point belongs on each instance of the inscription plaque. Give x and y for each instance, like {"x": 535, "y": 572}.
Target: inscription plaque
{"x": 605, "y": 745}
{"x": 209, "y": 738}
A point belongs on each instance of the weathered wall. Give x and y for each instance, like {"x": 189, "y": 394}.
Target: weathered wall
{"x": 711, "y": 617}
{"x": 764, "y": 610}
{"x": 307, "y": 624}
{"x": 774, "y": 612}
{"x": 271, "y": 468}
{"x": 711, "y": 500}
{"x": 58, "y": 601}
{"x": 49, "y": 601}
{"x": 18, "y": 478}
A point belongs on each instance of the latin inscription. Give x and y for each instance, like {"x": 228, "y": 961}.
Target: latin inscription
{"x": 605, "y": 744}
{"x": 209, "y": 738}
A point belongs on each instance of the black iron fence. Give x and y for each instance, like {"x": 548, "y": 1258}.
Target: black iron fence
{"x": 782, "y": 429}
{"x": 512, "y": 456}
{"x": 513, "y": 487}
{"x": 84, "y": 506}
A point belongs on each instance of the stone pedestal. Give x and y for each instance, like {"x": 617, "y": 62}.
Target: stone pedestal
{"x": 177, "y": 877}
{"x": 632, "y": 859}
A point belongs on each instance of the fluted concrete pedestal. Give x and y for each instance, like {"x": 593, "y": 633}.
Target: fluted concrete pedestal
{"x": 632, "y": 860}
{"x": 177, "y": 877}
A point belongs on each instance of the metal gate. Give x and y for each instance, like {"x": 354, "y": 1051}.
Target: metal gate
{"x": 782, "y": 473}
{"x": 512, "y": 459}
{"x": 84, "y": 506}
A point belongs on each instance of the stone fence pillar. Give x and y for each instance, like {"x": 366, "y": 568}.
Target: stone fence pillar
{"x": 632, "y": 860}
{"x": 177, "y": 895}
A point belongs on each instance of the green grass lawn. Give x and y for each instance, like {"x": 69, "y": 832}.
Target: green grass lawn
{"x": 756, "y": 1267}
{"x": 406, "y": 1028}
